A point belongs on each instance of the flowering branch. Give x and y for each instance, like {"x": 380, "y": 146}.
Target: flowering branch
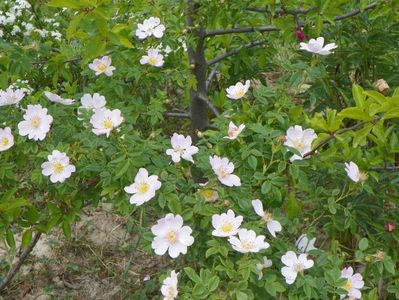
{"x": 333, "y": 135}
{"x": 235, "y": 51}
{"x": 15, "y": 268}
{"x": 177, "y": 115}
{"x": 241, "y": 30}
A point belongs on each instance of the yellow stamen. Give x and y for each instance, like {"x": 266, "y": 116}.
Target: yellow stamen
{"x": 248, "y": 245}
{"x": 172, "y": 237}
{"x": 35, "y": 122}
{"x": 240, "y": 92}
{"x": 348, "y": 285}
{"x": 267, "y": 217}
{"x": 58, "y": 167}
{"x": 143, "y": 188}
{"x": 102, "y": 67}
{"x": 152, "y": 60}
{"x": 299, "y": 145}
{"x": 5, "y": 141}
{"x": 107, "y": 124}
{"x": 227, "y": 227}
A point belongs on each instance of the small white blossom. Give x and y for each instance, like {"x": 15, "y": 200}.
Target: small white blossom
{"x": 223, "y": 169}
{"x": 267, "y": 263}
{"x": 226, "y": 224}
{"x": 150, "y": 26}
{"x": 353, "y": 283}
{"x": 353, "y": 172}
{"x": 234, "y": 131}
{"x": 238, "y": 90}
{"x": 11, "y": 96}
{"x": 300, "y": 139}
{"x": 294, "y": 265}
{"x": 182, "y": 148}
{"x": 6, "y": 139}
{"x": 169, "y": 286}
{"x": 316, "y": 46}
{"x": 272, "y": 225}
{"x": 304, "y": 245}
{"x": 57, "y": 167}
{"x": 143, "y": 188}
{"x": 102, "y": 65}
{"x": 152, "y": 58}
{"x": 171, "y": 236}
{"x": 105, "y": 120}
{"x": 94, "y": 102}
{"x": 36, "y": 123}
{"x": 248, "y": 241}
{"x": 55, "y": 98}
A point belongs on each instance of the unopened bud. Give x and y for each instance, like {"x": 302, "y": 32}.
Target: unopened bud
{"x": 380, "y": 255}
{"x": 282, "y": 138}
{"x": 226, "y": 202}
{"x": 153, "y": 135}
{"x": 381, "y": 85}
{"x": 200, "y": 134}
{"x": 389, "y": 226}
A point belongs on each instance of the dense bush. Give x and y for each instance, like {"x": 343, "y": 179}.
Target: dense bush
{"x": 139, "y": 103}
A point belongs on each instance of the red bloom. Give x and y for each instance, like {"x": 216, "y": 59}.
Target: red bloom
{"x": 390, "y": 226}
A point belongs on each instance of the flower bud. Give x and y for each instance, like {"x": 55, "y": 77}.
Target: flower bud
{"x": 282, "y": 138}
{"x": 390, "y": 226}
{"x": 382, "y": 86}
{"x": 226, "y": 202}
{"x": 153, "y": 135}
{"x": 200, "y": 134}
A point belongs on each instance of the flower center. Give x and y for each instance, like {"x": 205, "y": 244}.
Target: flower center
{"x": 58, "y": 167}
{"x": 4, "y": 141}
{"x": 233, "y": 132}
{"x": 143, "y": 188}
{"x": 227, "y": 227}
{"x": 298, "y": 268}
{"x": 299, "y": 145}
{"x": 35, "y": 122}
{"x": 102, "y": 67}
{"x": 207, "y": 193}
{"x": 172, "y": 237}
{"x": 348, "y": 285}
{"x": 267, "y": 217}
{"x": 179, "y": 149}
{"x": 222, "y": 172}
{"x": 240, "y": 92}
{"x": 363, "y": 176}
{"x": 152, "y": 60}
{"x": 171, "y": 292}
{"x": 248, "y": 245}
{"x": 107, "y": 124}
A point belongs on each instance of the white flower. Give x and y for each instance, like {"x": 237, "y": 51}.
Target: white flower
{"x": 247, "y": 241}
{"x": 171, "y": 236}
{"x": 55, "y": 98}
{"x": 94, "y": 102}
{"x": 151, "y": 26}
{"x": 353, "y": 284}
{"x": 226, "y": 224}
{"x": 238, "y": 90}
{"x": 223, "y": 169}
{"x": 152, "y": 58}
{"x": 143, "y": 188}
{"x": 353, "y": 172}
{"x": 6, "y": 139}
{"x": 272, "y": 225}
{"x": 294, "y": 265}
{"x": 10, "y": 96}
{"x": 182, "y": 148}
{"x": 300, "y": 139}
{"x": 267, "y": 263}
{"x": 234, "y": 131}
{"x": 105, "y": 120}
{"x": 316, "y": 46}
{"x": 36, "y": 123}
{"x": 102, "y": 65}
{"x": 169, "y": 286}
{"x": 304, "y": 245}
{"x": 57, "y": 167}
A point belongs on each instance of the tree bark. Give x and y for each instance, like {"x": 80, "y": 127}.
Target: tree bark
{"x": 196, "y": 56}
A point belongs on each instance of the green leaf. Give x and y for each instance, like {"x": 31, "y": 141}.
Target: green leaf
{"x": 65, "y": 3}
{"x": 354, "y": 113}
{"x": 252, "y": 161}
{"x": 26, "y": 238}
{"x": 173, "y": 203}
{"x": 66, "y": 228}
{"x": 363, "y": 244}
{"x": 73, "y": 25}
{"x": 293, "y": 207}
{"x": 192, "y": 274}
{"x": 358, "y": 96}
{"x": 10, "y": 238}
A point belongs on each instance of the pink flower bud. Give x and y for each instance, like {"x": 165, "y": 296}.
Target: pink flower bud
{"x": 390, "y": 226}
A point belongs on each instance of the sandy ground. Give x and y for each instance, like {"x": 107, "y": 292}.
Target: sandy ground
{"x": 100, "y": 262}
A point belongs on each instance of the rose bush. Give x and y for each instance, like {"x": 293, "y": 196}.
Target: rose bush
{"x": 135, "y": 104}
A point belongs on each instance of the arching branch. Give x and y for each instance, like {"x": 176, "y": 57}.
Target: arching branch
{"x": 241, "y": 30}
